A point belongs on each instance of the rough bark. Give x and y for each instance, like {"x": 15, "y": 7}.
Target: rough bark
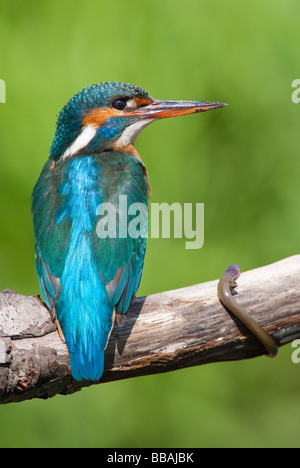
{"x": 162, "y": 332}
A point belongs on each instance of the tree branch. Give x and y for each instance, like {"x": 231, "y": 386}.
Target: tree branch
{"x": 162, "y": 332}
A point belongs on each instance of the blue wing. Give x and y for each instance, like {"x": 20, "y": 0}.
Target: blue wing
{"x": 82, "y": 276}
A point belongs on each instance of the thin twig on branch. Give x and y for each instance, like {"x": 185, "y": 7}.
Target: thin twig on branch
{"x": 162, "y": 332}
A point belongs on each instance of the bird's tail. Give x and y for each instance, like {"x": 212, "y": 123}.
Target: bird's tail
{"x": 86, "y": 320}
{"x": 87, "y": 366}
{"x": 83, "y": 309}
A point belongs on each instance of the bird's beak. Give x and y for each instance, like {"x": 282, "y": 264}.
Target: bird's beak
{"x": 163, "y": 109}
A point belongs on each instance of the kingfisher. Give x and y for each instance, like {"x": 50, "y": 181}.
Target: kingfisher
{"x": 89, "y": 278}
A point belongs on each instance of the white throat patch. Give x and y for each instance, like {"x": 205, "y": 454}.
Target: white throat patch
{"x": 130, "y": 134}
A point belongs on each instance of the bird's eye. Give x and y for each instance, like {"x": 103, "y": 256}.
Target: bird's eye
{"x": 119, "y": 104}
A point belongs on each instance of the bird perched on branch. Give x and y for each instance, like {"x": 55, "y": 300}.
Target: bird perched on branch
{"x": 86, "y": 276}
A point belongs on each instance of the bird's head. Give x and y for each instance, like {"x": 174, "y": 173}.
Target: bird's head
{"x": 110, "y": 116}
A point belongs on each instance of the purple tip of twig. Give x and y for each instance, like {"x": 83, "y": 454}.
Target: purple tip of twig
{"x": 233, "y": 271}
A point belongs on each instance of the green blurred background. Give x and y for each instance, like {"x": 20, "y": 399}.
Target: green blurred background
{"x": 242, "y": 162}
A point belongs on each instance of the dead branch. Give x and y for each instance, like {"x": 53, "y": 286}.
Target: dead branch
{"x": 162, "y": 332}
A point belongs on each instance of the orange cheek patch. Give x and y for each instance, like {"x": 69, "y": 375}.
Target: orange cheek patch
{"x": 142, "y": 101}
{"x": 98, "y": 117}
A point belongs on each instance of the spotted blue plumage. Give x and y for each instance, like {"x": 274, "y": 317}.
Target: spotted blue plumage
{"x": 69, "y": 123}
